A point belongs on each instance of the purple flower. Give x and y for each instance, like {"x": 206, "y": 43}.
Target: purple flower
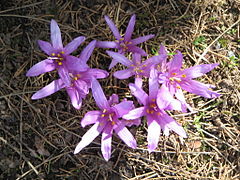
{"x": 135, "y": 66}
{"x": 106, "y": 121}
{"x": 124, "y": 43}
{"x": 176, "y": 79}
{"x": 59, "y": 56}
{"x": 154, "y": 106}
{"x": 80, "y": 81}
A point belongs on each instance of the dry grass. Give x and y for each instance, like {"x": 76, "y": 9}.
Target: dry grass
{"x": 37, "y": 138}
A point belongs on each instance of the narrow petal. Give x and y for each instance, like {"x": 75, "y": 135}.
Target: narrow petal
{"x": 46, "y": 47}
{"x": 154, "y": 131}
{"x": 176, "y": 63}
{"x": 87, "y": 51}
{"x": 123, "y": 74}
{"x": 113, "y": 28}
{"x": 138, "y": 82}
{"x": 56, "y": 35}
{"x": 138, "y": 93}
{"x": 89, "y": 136}
{"x": 123, "y": 108}
{"x": 82, "y": 87}
{"x": 162, "y": 50}
{"x": 97, "y": 73}
{"x": 130, "y": 28}
{"x": 198, "y": 88}
{"x": 44, "y": 66}
{"x": 198, "y": 70}
{"x": 73, "y": 45}
{"x": 184, "y": 105}
{"x": 173, "y": 125}
{"x": 126, "y": 136}
{"x": 113, "y": 99}
{"x": 64, "y": 75}
{"x": 153, "y": 84}
{"x": 98, "y": 95}
{"x": 106, "y": 142}
{"x": 75, "y": 97}
{"x": 164, "y": 98}
{"x": 106, "y": 44}
{"x": 135, "y": 113}
{"x": 51, "y": 88}
{"x": 135, "y": 49}
{"x": 136, "y": 58}
{"x": 141, "y": 39}
{"x": 90, "y": 117}
{"x": 113, "y": 63}
{"x": 120, "y": 58}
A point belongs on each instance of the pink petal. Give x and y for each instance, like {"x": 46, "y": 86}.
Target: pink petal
{"x": 162, "y": 50}
{"x": 73, "y": 45}
{"x": 113, "y": 28}
{"x": 138, "y": 82}
{"x": 82, "y": 87}
{"x": 136, "y": 58}
{"x": 113, "y": 99}
{"x": 135, "y": 49}
{"x": 56, "y": 36}
{"x": 98, "y": 95}
{"x": 184, "y": 105}
{"x": 64, "y": 75}
{"x": 153, "y": 84}
{"x": 173, "y": 125}
{"x": 51, "y": 88}
{"x": 123, "y": 74}
{"x": 198, "y": 88}
{"x": 106, "y": 44}
{"x": 135, "y": 113}
{"x": 141, "y": 39}
{"x": 154, "y": 131}
{"x": 75, "y": 97}
{"x": 97, "y": 73}
{"x": 164, "y": 97}
{"x": 123, "y": 108}
{"x": 90, "y": 117}
{"x": 89, "y": 136}
{"x": 87, "y": 51}
{"x": 46, "y": 47}
{"x": 138, "y": 93}
{"x": 75, "y": 64}
{"x": 126, "y": 136}
{"x": 106, "y": 142}
{"x": 199, "y": 70}
{"x": 44, "y": 66}
{"x": 130, "y": 27}
{"x": 120, "y": 58}
{"x": 176, "y": 63}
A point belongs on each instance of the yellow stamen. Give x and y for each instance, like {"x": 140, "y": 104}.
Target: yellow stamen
{"x": 152, "y": 111}
{"x": 113, "y": 123}
{"x": 60, "y": 59}
{"x": 62, "y": 52}
{"x": 153, "y": 100}
{"x": 158, "y": 113}
{"x": 78, "y": 75}
{"x": 129, "y": 42}
{"x": 184, "y": 75}
{"x": 58, "y": 55}
{"x": 178, "y": 87}
{"x": 174, "y": 74}
{"x": 121, "y": 39}
{"x": 59, "y": 63}
{"x": 153, "y": 105}
{"x": 144, "y": 65}
{"x": 103, "y": 115}
{"x": 171, "y": 79}
{"x": 148, "y": 111}
{"x": 53, "y": 54}
{"x": 75, "y": 78}
{"x": 178, "y": 80}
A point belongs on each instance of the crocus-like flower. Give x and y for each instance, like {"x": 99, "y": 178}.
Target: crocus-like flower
{"x": 154, "y": 108}
{"x": 80, "y": 81}
{"x": 135, "y": 66}
{"x": 105, "y": 121}
{"x": 59, "y": 56}
{"x": 176, "y": 79}
{"x": 124, "y": 43}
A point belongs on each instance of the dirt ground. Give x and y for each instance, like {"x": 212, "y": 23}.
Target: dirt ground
{"x": 38, "y": 137}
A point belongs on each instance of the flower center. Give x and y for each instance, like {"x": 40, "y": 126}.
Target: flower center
{"x": 123, "y": 45}
{"x": 176, "y": 78}
{"x": 152, "y": 108}
{"x": 57, "y": 57}
{"x": 108, "y": 115}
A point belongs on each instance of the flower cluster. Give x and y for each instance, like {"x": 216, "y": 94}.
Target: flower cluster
{"x": 166, "y": 79}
